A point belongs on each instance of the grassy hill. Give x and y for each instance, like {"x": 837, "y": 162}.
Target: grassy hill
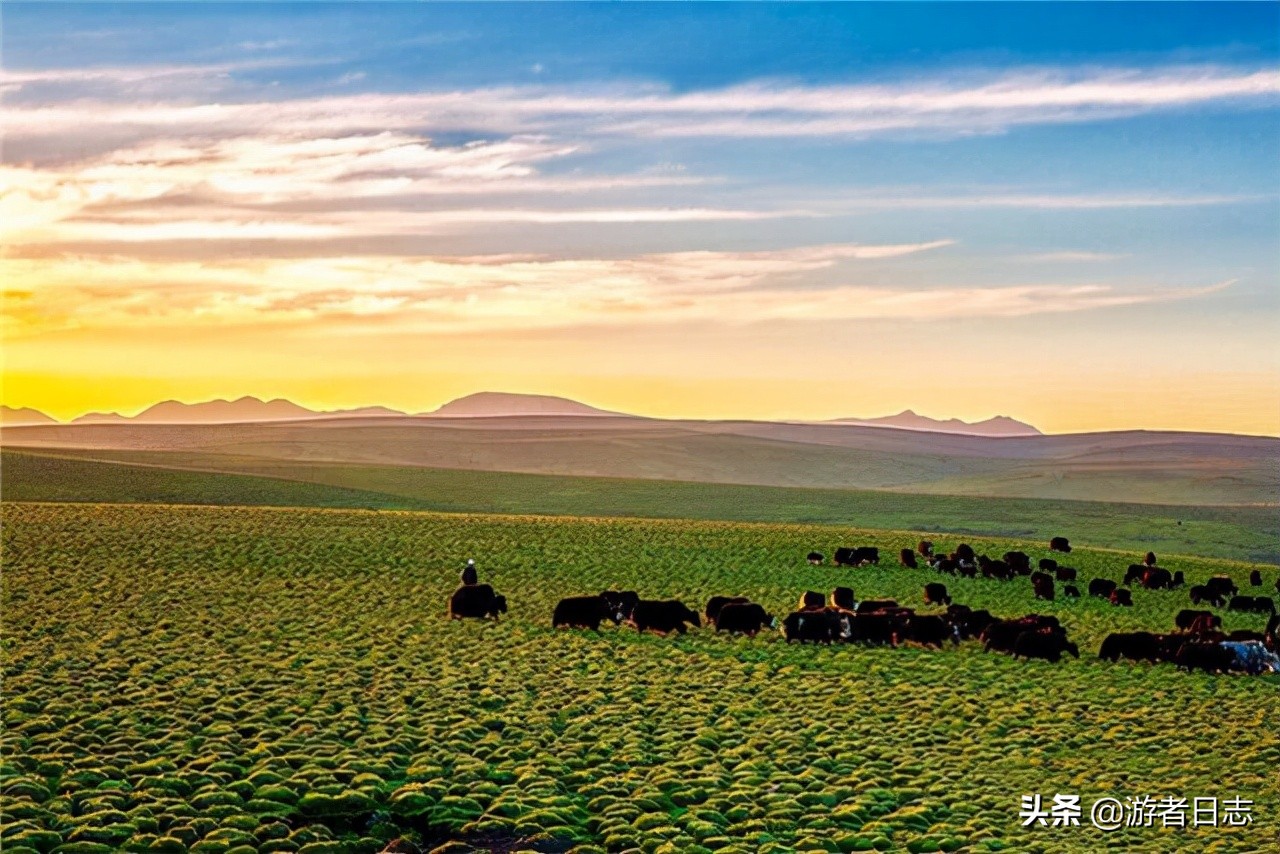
{"x": 186, "y": 478}
{"x": 249, "y": 679}
{"x": 1157, "y": 468}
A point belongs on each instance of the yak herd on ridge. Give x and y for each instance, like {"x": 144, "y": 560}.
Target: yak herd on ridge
{"x": 1198, "y": 643}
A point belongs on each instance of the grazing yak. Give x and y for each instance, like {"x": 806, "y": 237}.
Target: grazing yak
{"x": 1150, "y": 559}
{"x": 622, "y": 601}
{"x": 816, "y": 558}
{"x": 1255, "y": 578}
{"x": 942, "y": 563}
{"x": 1121, "y": 598}
{"x": 925, "y": 548}
{"x": 1134, "y": 573}
{"x": 967, "y": 622}
{"x": 1201, "y": 593}
{"x": 877, "y": 629}
{"x": 1252, "y": 604}
{"x": 1019, "y": 562}
{"x": 715, "y": 603}
{"x": 1001, "y": 635}
{"x": 1135, "y": 646}
{"x": 1187, "y": 618}
{"x": 1046, "y": 645}
{"x": 742, "y": 618}
{"x": 1156, "y": 578}
{"x": 936, "y": 594}
{"x": 842, "y": 598}
{"x": 1060, "y": 544}
{"x": 1222, "y": 586}
{"x": 1065, "y": 573}
{"x": 1071, "y": 591}
{"x": 907, "y": 558}
{"x": 928, "y": 631}
{"x": 811, "y": 600}
{"x": 477, "y": 601}
{"x": 1209, "y": 657}
{"x": 1042, "y": 585}
{"x": 858, "y": 556}
{"x": 964, "y": 551}
{"x": 664, "y": 617}
{"x": 1048, "y": 564}
{"x": 997, "y": 569}
{"x": 814, "y": 626}
{"x": 1102, "y": 588}
{"x": 584, "y": 612}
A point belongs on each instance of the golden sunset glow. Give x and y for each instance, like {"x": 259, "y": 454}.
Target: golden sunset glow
{"x": 950, "y": 240}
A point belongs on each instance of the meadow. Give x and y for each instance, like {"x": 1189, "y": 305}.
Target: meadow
{"x": 100, "y": 475}
{"x": 237, "y": 679}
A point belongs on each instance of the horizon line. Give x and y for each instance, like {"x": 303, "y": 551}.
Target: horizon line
{"x": 392, "y": 412}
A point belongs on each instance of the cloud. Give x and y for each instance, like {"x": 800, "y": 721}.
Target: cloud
{"x": 274, "y": 186}
{"x": 957, "y": 105}
{"x": 442, "y": 295}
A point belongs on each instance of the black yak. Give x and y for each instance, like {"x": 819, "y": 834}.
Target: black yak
{"x": 1046, "y": 645}
{"x": 584, "y": 612}
{"x": 1102, "y": 588}
{"x": 477, "y": 601}
{"x": 1122, "y": 598}
{"x": 715, "y": 603}
{"x": 936, "y": 594}
{"x": 665, "y": 616}
{"x": 811, "y": 600}
{"x": 742, "y": 618}
{"x": 929, "y": 631}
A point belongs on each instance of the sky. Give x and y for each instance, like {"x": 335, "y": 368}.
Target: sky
{"x": 1064, "y": 213}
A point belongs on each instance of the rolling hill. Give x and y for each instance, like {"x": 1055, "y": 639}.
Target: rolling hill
{"x": 1137, "y": 466}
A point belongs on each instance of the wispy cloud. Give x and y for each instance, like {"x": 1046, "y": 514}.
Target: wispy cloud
{"x": 494, "y": 294}
{"x": 960, "y": 104}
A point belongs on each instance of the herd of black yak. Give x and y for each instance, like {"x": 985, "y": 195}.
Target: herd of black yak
{"x": 1197, "y": 643}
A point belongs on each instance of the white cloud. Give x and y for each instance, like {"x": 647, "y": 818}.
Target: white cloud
{"x": 496, "y": 294}
{"x": 959, "y": 104}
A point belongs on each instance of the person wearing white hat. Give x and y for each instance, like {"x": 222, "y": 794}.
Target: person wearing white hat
{"x": 469, "y": 573}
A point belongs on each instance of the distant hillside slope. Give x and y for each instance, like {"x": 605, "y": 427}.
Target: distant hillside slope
{"x": 23, "y": 415}
{"x": 501, "y": 404}
{"x": 1172, "y": 468}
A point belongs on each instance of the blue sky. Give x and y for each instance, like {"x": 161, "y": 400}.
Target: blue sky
{"x": 704, "y": 185}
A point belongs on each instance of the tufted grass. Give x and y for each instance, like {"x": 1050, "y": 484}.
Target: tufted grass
{"x": 250, "y": 679}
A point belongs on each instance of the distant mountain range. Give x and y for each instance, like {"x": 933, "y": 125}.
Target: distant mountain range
{"x": 485, "y": 404}
{"x": 12, "y": 417}
{"x": 1000, "y": 425}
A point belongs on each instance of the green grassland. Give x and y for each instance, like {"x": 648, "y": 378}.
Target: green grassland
{"x": 238, "y": 679}
{"x": 1240, "y": 533}
{"x": 1187, "y": 469}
